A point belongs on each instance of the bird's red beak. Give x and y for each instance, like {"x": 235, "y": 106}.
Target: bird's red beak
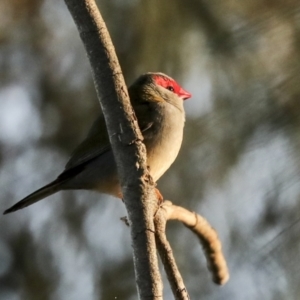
{"x": 184, "y": 94}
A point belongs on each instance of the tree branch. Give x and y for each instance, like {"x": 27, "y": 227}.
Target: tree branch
{"x": 126, "y": 142}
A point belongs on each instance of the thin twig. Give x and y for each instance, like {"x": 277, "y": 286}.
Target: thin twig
{"x": 208, "y": 238}
{"x": 166, "y": 254}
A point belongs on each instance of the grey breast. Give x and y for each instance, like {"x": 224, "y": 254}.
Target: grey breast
{"x": 165, "y": 139}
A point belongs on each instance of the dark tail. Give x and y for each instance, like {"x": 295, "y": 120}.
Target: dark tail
{"x": 36, "y": 196}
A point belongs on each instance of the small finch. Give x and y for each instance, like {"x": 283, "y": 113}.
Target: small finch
{"x": 157, "y": 101}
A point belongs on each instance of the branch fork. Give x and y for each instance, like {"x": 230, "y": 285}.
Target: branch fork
{"x": 207, "y": 237}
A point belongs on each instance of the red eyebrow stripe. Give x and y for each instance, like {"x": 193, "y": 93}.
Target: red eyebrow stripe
{"x": 165, "y": 82}
{"x": 162, "y": 81}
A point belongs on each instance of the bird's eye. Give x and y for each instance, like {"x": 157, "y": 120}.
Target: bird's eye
{"x": 170, "y": 88}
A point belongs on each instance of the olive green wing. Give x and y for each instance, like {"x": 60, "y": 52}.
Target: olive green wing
{"x": 97, "y": 141}
{"x": 95, "y": 144}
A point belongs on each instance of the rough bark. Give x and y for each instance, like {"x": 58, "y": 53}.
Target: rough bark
{"x": 126, "y": 141}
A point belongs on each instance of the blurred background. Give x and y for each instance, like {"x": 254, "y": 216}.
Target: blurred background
{"x": 239, "y": 165}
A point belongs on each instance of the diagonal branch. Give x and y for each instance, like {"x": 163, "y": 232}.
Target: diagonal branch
{"x": 126, "y": 142}
{"x": 136, "y": 182}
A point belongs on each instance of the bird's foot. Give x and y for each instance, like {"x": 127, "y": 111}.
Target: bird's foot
{"x": 160, "y": 197}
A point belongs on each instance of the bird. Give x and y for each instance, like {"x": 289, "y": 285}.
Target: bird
{"x": 157, "y": 101}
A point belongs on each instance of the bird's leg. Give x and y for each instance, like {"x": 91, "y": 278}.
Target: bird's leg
{"x": 160, "y": 197}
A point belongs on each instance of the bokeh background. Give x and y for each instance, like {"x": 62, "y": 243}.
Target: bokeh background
{"x": 239, "y": 165}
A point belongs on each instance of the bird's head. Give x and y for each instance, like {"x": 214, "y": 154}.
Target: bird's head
{"x": 157, "y": 87}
